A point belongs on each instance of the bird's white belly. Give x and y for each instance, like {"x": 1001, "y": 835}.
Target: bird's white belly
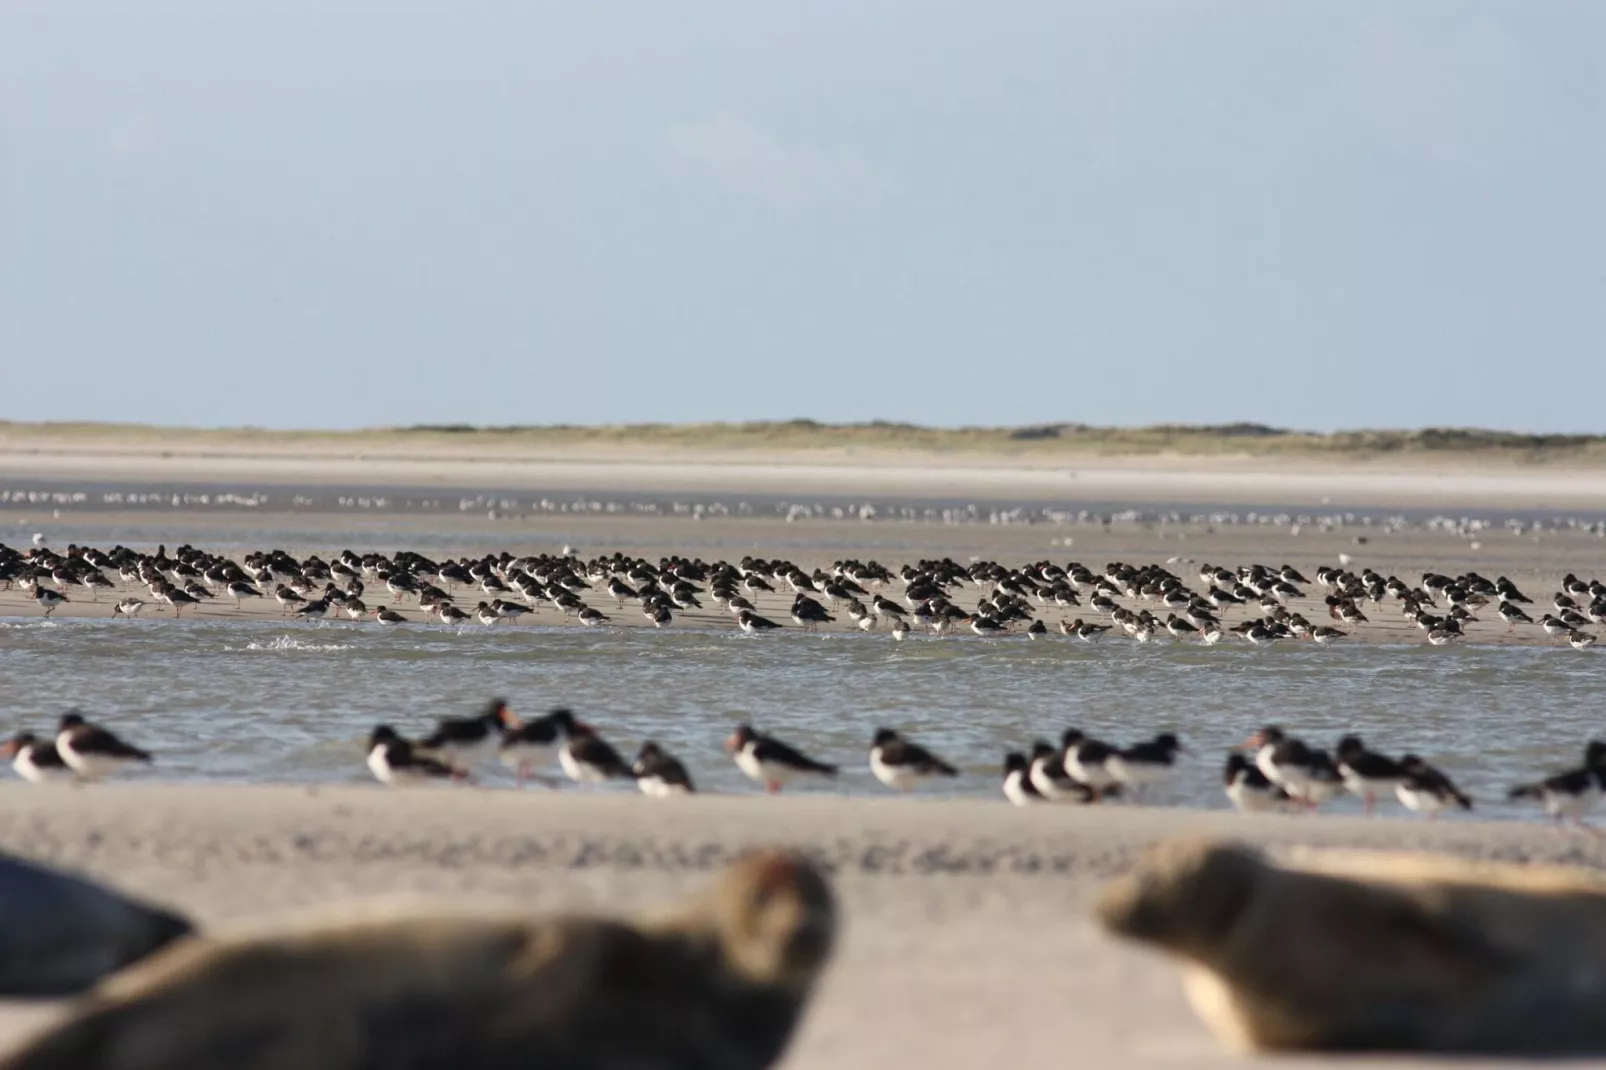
{"x": 37, "y": 774}
{"x": 1015, "y": 790}
{"x": 1250, "y": 800}
{"x": 893, "y": 776}
{"x": 89, "y": 765}
{"x": 1094, "y": 776}
{"x": 658, "y": 788}
{"x": 1422, "y": 802}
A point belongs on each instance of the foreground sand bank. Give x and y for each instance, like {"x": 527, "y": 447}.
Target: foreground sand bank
{"x": 968, "y": 939}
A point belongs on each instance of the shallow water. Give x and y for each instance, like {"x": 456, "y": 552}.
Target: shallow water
{"x": 257, "y": 701}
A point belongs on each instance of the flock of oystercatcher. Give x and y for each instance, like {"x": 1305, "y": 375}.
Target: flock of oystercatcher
{"x": 1145, "y": 603}
{"x": 1271, "y": 771}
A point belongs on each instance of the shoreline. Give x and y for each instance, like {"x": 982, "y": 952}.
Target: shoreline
{"x": 976, "y": 912}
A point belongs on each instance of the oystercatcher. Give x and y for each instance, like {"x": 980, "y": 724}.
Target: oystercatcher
{"x": 1573, "y": 794}
{"x": 1018, "y": 787}
{"x": 1425, "y": 790}
{"x": 466, "y": 741}
{"x": 1047, "y": 776}
{"x": 1367, "y": 773}
{"x": 1088, "y": 760}
{"x": 91, "y": 751}
{"x": 529, "y": 745}
{"x": 587, "y": 758}
{"x": 394, "y": 763}
{"x": 660, "y": 774}
{"x": 771, "y": 762}
{"x": 37, "y": 760}
{"x": 1248, "y": 788}
{"x": 903, "y": 765}
{"x": 1142, "y": 764}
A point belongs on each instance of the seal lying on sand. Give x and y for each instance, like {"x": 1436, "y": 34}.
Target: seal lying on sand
{"x": 60, "y": 934}
{"x": 1352, "y": 951}
{"x": 718, "y": 986}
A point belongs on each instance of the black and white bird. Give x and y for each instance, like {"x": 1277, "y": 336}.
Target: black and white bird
{"x": 752, "y": 623}
{"x": 395, "y": 763}
{"x": 1573, "y": 794}
{"x": 1248, "y": 789}
{"x": 49, "y": 598}
{"x": 1367, "y": 773}
{"x": 1018, "y": 787}
{"x": 1325, "y": 781}
{"x": 1047, "y": 776}
{"x": 527, "y": 746}
{"x": 903, "y": 765}
{"x": 466, "y": 741}
{"x": 1285, "y": 761}
{"x": 1144, "y": 764}
{"x": 587, "y": 758}
{"x": 1088, "y": 760}
{"x": 660, "y": 774}
{"x": 93, "y": 752}
{"x": 1425, "y": 790}
{"x": 37, "y": 760}
{"x": 770, "y": 762}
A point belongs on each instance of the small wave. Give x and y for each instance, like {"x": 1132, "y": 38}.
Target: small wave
{"x": 289, "y": 642}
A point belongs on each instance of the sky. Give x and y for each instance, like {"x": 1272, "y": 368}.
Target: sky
{"x": 329, "y": 213}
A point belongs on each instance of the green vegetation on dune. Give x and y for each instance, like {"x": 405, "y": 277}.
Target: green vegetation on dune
{"x": 1070, "y": 439}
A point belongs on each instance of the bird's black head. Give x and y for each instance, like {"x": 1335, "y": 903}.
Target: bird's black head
{"x": 740, "y": 738}
{"x": 1168, "y": 741}
{"x": 1349, "y": 745}
{"x": 563, "y": 719}
{"x": 1236, "y": 763}
{"x": 1042, "y": 749}
{"x": 1269, "y": 734}
{"x": 382, "y": 733}
{"x": 71, "y": 719}
{"x": 1014, "y": 762}
{"x": 1071, "y": 737}
{"x": 1595, "y": 753}
{"x": 883, "y": 736}
{"x": 14, "y": 745}
{"x": 649, "y": 750}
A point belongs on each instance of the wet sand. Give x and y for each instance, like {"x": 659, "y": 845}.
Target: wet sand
{"x": 967, "y": 937}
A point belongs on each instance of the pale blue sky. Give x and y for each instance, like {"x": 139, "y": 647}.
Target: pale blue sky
{"x": 327, "y": 213}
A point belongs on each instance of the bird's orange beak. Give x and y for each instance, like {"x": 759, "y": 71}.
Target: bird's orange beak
{"x": 10, "y": 749}
{"x": 1254, "y": 742}
{"x": 733, "y": 744}
{"x": 511, "y": 719}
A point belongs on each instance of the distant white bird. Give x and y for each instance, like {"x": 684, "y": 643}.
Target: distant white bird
{"x": 38, "y": 538}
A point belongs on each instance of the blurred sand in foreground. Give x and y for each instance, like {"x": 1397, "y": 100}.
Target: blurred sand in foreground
{"x": 968, "y": 939}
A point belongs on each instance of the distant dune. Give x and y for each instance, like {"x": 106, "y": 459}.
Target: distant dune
{"x": 1038, "y": 441}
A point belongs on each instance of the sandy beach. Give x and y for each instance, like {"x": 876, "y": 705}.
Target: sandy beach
{"x": 389, "y": 460}
{"x": 968, "y": 939}
{"x": 967, "y": 931}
